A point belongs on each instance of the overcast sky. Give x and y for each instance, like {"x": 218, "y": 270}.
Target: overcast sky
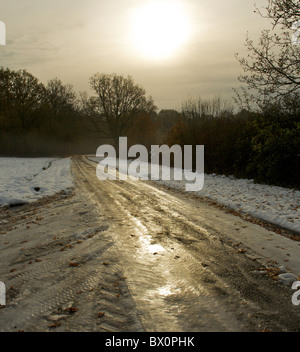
{"x": 73, "y": 39}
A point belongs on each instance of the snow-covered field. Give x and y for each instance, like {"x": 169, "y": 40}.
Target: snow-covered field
{"x": 278, "y": 205}
{"x": 24, "y": 180}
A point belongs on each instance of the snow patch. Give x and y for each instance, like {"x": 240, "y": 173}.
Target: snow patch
{"x": 24, "y": 180}
{"x": 287, "y": 278}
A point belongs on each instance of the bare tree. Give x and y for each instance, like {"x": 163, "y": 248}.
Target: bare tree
{"x": 117, "y": 102}
{"x": 60, "y": 97}
{"x": 216, "y": 106}
{"x": 284, "y": 12}
{"x": 88, "y": 109}
{"x": 21, "y": 95}
{"x": 272, "y": 67}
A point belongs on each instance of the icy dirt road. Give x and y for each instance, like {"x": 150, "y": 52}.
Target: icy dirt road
{"x": 133, "y": 256}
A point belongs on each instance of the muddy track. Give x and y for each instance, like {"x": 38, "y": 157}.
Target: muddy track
{"x": 61, "y": 270}
{"x": 183, "y": 272}
{"x": 133, "y": 256}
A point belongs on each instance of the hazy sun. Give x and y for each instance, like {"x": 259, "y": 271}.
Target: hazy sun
{"x": 158, "y": 30}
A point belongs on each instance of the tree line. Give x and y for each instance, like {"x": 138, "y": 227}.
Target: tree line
{"x": 38, "y": 119}
{"x": 256, "y": 137}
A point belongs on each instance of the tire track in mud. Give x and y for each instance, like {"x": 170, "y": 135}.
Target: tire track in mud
{"x": 164, "y": 226}
{"x": 214, "y": 279}
{"x": 195, "y": 293}
{"x": 54, "y": 267}
{"x": 72, "y": 283}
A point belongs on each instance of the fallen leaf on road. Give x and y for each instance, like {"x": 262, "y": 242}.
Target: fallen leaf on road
{"x": 73, "y": 264}
{"x": 71, "y": 309}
